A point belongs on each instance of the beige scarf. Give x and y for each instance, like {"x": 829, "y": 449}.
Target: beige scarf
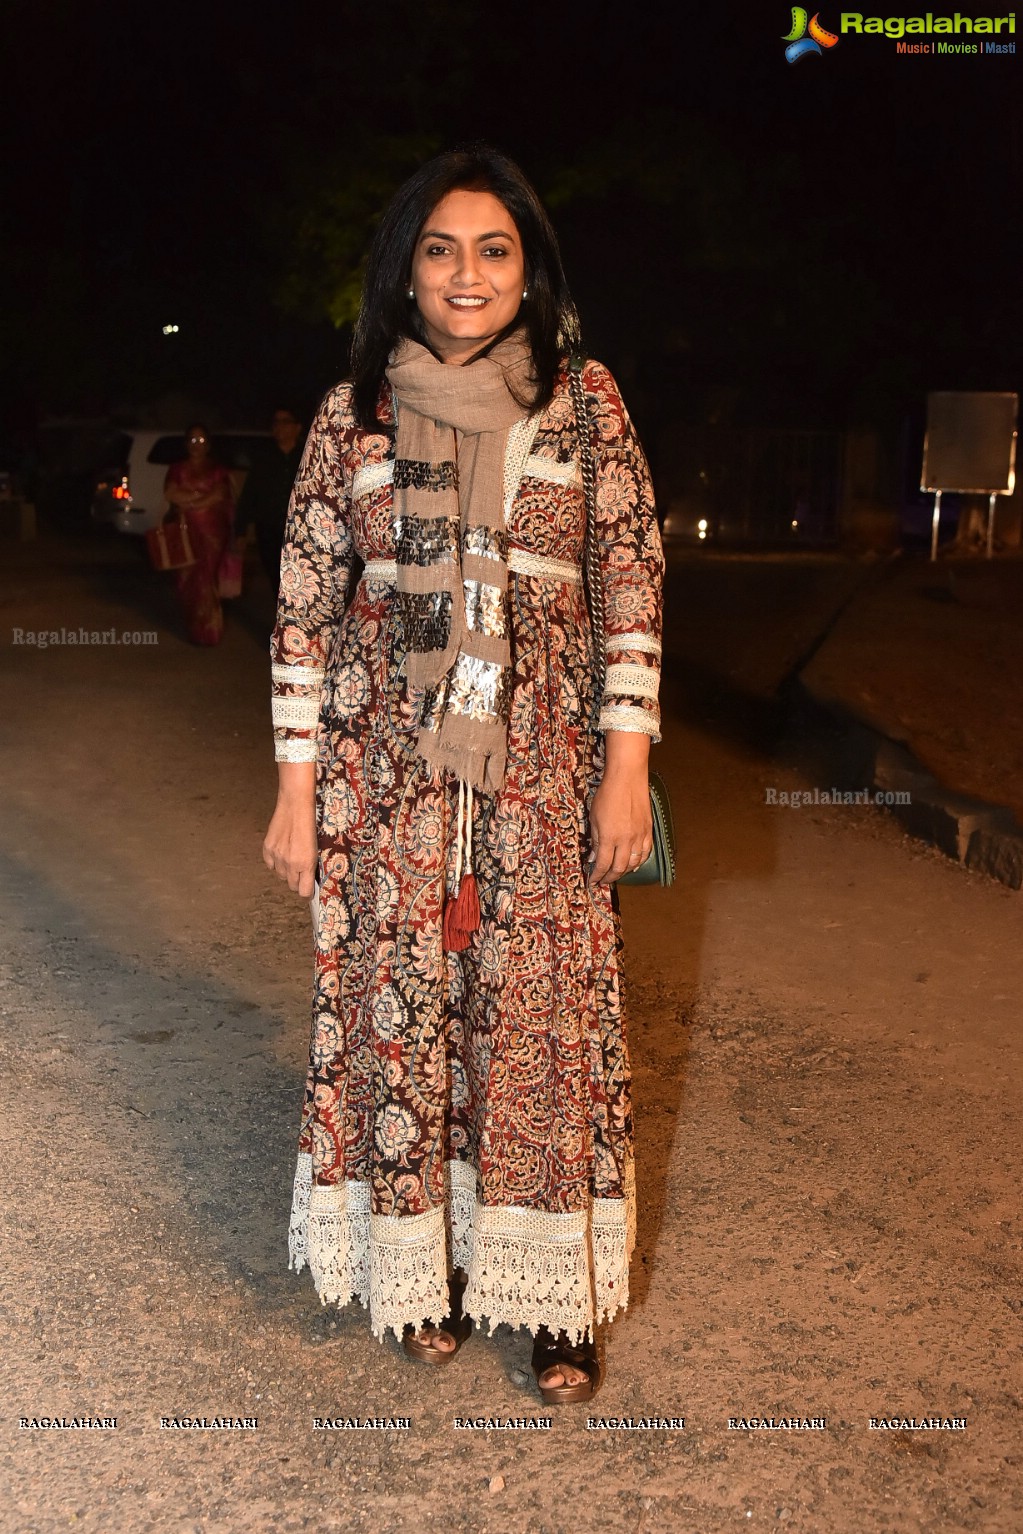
{"x": 452, "y": 548}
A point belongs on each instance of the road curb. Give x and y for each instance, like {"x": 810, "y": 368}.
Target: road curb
{"x": 984, "y": 837}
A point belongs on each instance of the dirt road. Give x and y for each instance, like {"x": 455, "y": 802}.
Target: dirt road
{"x": 826, "y": 1026}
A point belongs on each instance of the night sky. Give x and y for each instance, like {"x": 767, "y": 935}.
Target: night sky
{"x": 819, "y": 242}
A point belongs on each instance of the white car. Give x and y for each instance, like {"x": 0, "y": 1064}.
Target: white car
{"x": 129, "y": 487}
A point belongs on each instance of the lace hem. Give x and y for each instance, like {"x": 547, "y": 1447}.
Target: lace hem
{"x": 525, "y": 1267}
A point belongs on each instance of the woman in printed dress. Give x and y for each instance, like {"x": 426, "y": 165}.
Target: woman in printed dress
{"x": 200, "y": 488}
{"x": 454, "y": 799}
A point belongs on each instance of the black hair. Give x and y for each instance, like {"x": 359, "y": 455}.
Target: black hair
{"x": 387, "y": 313}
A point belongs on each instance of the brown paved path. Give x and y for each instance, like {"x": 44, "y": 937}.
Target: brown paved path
{"x": 934, "y": 655}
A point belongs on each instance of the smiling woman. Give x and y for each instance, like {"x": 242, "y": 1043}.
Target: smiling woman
{"x": 455, "y": 797}
{"x": 467, "y": 274}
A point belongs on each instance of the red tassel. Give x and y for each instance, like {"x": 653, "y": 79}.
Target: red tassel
{"x": 462, "y": 915}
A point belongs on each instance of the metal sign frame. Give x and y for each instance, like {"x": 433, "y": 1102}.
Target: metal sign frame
{"x": 948, "y": 410}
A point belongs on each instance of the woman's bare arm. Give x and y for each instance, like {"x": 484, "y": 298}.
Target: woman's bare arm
{"x": 289, "y": 847}
{"x": 621, "y": 831}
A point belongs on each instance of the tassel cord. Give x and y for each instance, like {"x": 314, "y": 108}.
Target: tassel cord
{"x": 462, "y": 906}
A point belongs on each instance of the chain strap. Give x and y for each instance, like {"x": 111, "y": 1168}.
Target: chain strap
{"x": 592, "y": 576}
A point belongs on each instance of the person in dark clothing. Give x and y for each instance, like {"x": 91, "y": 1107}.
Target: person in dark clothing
{"x": 267, "y": 490}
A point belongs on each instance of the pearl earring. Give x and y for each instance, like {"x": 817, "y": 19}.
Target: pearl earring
{"x": 525, "y": 292}
{"x": 411, "y": 292}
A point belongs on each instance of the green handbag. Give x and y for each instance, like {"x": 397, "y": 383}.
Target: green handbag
{"x": 659, "y": 867}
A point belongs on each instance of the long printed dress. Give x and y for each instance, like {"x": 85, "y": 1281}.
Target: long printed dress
{"x": 466, "y": 1109}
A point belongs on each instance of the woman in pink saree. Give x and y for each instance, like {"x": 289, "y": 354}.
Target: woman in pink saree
{"x": 200, "y": 488}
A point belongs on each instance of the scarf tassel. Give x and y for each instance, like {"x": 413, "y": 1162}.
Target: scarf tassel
{"x": 462, "y": 912}
{"x": 462, "y": 916}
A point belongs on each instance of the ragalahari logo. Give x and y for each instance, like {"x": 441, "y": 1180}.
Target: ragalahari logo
{"x": 806, "y": 36}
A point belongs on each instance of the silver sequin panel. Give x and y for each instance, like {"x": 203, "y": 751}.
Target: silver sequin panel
{"x": 484, "y": 608}
{"x": 425, "y": 540}
{"x": 476, "y": 689}
{"x": 417, "y": 474}
{"x": 486, "y": 542}
{"x": 427, "y": 620}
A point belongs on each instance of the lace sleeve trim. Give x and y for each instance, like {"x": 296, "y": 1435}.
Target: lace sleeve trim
{"x": 638, "y": 721}
{"x": 296, "y": 675}
{"x": 296, "y": 713}
{"x": 639, "y": 681}
{"x": 296, "y": 750}
{"x": 644, "y": 644}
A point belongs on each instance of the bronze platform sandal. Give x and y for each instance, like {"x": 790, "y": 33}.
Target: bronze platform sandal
{"x": 455, "y": 1325}
{"x": 550, "y": 1353}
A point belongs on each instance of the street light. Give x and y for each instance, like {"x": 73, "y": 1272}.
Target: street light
{"x": 171, "y": 330}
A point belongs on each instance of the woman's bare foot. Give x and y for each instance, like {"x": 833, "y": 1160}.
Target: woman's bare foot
{"x": 436, "y": 1344}
{"x": 437, "y": 1338}
{"x": 562, "y": 1374}
{"x": 565, "y": 1371}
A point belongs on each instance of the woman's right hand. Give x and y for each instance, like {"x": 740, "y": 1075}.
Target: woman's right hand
{"x": 289, "y": 847}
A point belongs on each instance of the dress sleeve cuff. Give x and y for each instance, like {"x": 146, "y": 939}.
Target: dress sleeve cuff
{"x": 642, "y": 643}
{"x": 635, "y": 720}
{"x": 634, "y": 681}
{"x": 296, "y": 713}
{"x": 295, "y": 749}
{"x": 296, "y": 698}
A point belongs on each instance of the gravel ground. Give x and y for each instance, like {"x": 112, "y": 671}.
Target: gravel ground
{"x": 825, "y": 1028}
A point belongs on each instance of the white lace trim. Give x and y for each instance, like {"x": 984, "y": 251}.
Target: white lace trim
{"x": 640, "y": 681}
{"x": 531, "y": 1269}
{"x": 463, "y": 1205}
{"x": 380, "y": 570}
{"x": 407, "y": 1260}
{"x": 520, "y": 440}
{"x": 297, "y": 675}
{"x": 298, "y": 1229}
{"x": 371, "y": 476}
{"x": 336, "y": 1239}
{"x": 645, "y": 643}
{"x": 522, "y": 562}
{"x": 638, "y": 721}
{"x": 613, "y": 1239}
{"x": 525, "y": 1267}
{"x": 295, "y": 713}
{"x": 295, "y": 750}
{"x": 551, "y": 470}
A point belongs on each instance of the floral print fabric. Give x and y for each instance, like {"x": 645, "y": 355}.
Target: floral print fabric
{"x": 477, "y": 1102}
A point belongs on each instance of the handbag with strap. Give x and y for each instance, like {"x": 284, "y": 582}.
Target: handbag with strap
{"x": 659, "y": 867}
{"x": 170, "y": 547}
